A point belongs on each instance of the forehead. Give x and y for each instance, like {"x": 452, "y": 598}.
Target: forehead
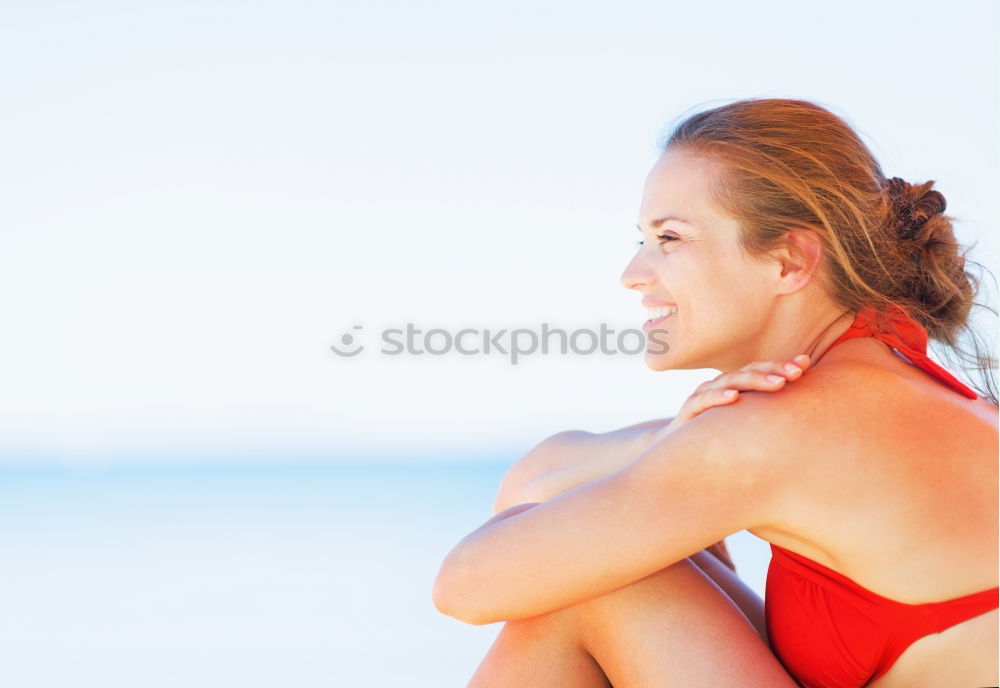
{"x": 679, "y": 185}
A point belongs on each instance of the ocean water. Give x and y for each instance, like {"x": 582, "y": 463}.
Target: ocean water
{"x": 243, "y": 575}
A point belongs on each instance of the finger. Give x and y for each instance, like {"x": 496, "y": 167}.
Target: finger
{"x": 746, "y": 380}
{"x": 697, "y": 403}
{"x": 789, "y": 369}
{"x": 763, "y": 375}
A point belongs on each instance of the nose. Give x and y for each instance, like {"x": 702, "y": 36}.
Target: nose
{"x": 637, "y": 273}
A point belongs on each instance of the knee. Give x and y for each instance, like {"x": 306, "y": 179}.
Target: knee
{"x": 551, "y": 454}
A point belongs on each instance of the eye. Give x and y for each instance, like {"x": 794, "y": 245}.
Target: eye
{"x": 664, "y": 238}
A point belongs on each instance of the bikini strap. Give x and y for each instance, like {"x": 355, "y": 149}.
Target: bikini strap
{"x": 907, "y": 336}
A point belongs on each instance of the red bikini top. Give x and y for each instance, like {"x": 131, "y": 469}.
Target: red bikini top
{"x": 828, "y": 631}
{"x": 907, "y": 336}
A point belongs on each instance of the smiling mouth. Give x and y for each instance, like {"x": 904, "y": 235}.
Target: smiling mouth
{"x": 658, "y": 315}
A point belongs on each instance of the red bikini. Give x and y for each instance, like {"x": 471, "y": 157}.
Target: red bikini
{"x": 830, "y": 632}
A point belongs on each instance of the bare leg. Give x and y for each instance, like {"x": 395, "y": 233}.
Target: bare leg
{"x": 675, "y": 627}
{"x": 543, "y": 651}
{"x": 739, "y": 592}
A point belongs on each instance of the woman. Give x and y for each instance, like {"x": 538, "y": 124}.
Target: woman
{"x": 771, "y": 239}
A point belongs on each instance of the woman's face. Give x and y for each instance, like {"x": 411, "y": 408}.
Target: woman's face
{"x": 690, "y": 260}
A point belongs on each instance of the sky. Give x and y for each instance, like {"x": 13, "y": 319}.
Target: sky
{"x": 198, "y": 199}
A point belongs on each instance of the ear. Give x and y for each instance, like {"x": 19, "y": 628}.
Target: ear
{"x": 797, "y": 258}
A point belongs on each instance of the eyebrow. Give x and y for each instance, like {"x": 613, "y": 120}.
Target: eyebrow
{"x": 660, "y": 220}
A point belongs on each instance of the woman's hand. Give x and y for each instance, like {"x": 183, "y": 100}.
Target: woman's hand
{"x": 759, "y": 376}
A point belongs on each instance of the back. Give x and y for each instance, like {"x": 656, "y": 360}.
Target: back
{"x": 900, "y": 494}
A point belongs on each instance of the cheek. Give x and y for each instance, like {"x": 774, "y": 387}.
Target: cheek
{"x": 734, "y": 274}
{"x": 709, "y": 283}
{"x": 720, "y": 296}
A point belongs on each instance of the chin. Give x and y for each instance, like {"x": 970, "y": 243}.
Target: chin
{"x": 672, "y": 361}
{"x": 659, "y": 362}
{"x": 658, "y": 352}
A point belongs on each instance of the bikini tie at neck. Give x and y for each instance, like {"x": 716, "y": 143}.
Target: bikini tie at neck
{"x": 907, "y": 336}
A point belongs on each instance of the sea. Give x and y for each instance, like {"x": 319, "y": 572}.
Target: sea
{"x": 244, "y": 575}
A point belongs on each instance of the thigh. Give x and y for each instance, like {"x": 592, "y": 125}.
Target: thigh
{"x": 676, "y": 627}
{"x": 541, "y": 651}
{"x": 739, "y": 592}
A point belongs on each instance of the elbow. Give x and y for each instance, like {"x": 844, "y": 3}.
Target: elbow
{"x": 454, "y": 599}
{"x": 468, "y": 586}
{"x": 438, "y": 595}
{"x": 443, "y": 593}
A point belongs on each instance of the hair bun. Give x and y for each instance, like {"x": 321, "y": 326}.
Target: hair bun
{"x": 912, "y": 214}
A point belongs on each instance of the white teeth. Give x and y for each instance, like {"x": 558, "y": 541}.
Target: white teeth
{"x": 655, "y": 313}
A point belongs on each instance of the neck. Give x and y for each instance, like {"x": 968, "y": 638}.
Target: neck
{"x": 791, "y": 332}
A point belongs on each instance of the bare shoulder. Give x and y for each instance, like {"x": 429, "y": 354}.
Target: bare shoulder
{"x": 838, "y": 394}
{"x": 795, "y": 436}
{"x": 760, "y": 442}
{"x": 805, "y": 414}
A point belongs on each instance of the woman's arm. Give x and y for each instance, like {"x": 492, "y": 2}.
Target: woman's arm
{"x": 720, "y": 473}
{"x": 570, "y": 459}
{"x": 593, "y": 457}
